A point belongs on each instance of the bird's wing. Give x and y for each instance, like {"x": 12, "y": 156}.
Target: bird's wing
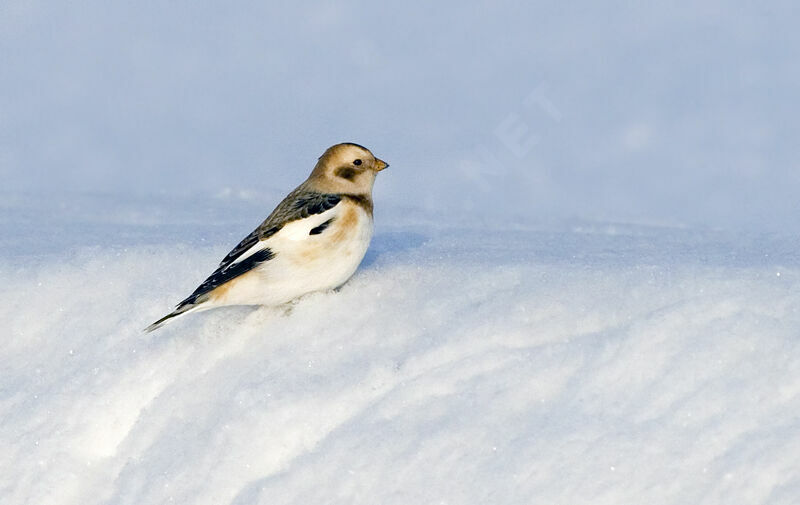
{"x": 306, "y": 208}
{"x": 299, "y": 204}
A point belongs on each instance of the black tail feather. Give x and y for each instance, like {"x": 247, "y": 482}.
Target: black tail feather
{"x": 182, "y": 309}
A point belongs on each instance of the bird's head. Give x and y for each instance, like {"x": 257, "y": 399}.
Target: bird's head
{"x": 346, "y": 168}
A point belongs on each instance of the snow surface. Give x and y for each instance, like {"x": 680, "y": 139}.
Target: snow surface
{"x": 590, "y": 363}
{"x": 583, "y": 286}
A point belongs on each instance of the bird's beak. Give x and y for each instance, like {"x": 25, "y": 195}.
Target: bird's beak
{"x": 380, "y": 165}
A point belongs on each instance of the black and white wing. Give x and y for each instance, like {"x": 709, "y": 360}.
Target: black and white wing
{"x": 254, "y": 249}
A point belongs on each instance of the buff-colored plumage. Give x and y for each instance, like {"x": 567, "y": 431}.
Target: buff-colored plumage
{"x": 314, "y": 239}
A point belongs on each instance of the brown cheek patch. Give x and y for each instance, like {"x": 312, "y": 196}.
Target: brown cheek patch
{"x": 346, "y": 173}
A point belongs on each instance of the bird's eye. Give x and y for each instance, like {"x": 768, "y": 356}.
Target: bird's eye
{"x": 357, "y": 162}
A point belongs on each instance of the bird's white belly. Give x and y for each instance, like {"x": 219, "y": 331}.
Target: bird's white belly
{"x": 305, "y": 263}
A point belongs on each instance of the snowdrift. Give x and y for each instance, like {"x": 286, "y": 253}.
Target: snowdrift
{"x": 583, "y": 363}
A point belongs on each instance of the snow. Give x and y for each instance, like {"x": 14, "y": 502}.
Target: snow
{"x": 593, "y": 364}
{"x": 583, "y": 287}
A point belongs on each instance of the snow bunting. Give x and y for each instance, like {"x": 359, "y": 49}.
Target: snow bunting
{"x": 314, "y": 239}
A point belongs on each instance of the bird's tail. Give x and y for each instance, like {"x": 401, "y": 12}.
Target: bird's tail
{"x": 182, "y": 310}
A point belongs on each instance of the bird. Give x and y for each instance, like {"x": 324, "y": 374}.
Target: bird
{"x": 314, "y": 240}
